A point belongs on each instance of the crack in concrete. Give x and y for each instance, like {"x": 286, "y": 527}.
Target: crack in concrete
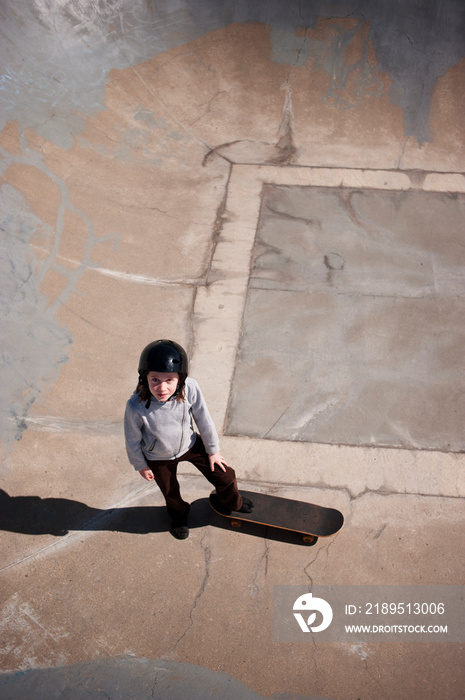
{"x": 375, "y": 676}
{"x": 278, "y": 419}
{"x": 214, "y": 152}
{"x": 410, "y": 41}
{"x": 389, "y": 492}
{"x": 208, "y": 107}
{"x": 215, "y": 76}
{"x": 171, "y": 115}
{"x": 154, "y": 686}
{"x": 352, "y": 496}
{"x": 380, "y": 531}
{"x": 324, "y": 548}
{"x": 200, "y": 592}
{"x": 105, "y": 331}
{"x": 255, "y": 587}
{"x": 208, "y": 278}
{"x": 329, "y": 168}
{"x": 191, "y": 321}
{"x": 402, "y": 153}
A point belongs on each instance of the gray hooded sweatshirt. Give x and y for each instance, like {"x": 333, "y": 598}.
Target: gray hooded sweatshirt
{"x": 165, "y": 430}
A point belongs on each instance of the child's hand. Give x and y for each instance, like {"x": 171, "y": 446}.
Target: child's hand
{"x": 219, "y": 460}
{"x": 147, "y": 473}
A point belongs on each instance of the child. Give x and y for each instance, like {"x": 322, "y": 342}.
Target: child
{"x": 159, "y": 433}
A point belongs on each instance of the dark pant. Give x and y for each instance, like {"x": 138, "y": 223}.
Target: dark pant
{"x": 165, "y": 473}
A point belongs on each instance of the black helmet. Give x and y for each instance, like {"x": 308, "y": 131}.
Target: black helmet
{"x": 163, "y": 356}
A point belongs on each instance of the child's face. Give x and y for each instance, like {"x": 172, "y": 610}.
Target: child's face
{"x": 162, "y": 385}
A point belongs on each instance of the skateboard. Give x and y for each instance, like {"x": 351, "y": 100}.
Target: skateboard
{"x": 305, "y": 519}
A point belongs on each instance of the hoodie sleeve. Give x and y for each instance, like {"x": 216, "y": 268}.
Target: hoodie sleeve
{"x": 203, "y": 419}
{"x": 133, "y": 437}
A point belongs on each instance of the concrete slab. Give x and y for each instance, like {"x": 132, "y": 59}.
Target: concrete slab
{"x": 136, "y": 139}
{"x": 353, "y": 325}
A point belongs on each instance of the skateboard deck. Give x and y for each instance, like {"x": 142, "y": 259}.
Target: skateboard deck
{"x": 306, "y": 519}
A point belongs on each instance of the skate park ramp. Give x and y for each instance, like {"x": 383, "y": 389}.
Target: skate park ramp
{"x": 278, "y": 186}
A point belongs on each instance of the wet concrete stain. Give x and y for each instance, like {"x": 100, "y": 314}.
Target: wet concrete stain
{"x": 329, "y": 55}
{"x": 35, "y": 345}
{"x": 55, "y": 66}
{"x": 129, "y": 678}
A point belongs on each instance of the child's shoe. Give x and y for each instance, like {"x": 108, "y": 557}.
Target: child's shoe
{"x": 246, "y": 507}
{"x": 181, "y": 532}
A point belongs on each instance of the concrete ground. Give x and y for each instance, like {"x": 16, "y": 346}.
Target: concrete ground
{"x": 281, "y": 190}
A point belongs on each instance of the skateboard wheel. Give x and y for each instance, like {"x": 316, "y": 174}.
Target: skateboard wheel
{"x": 309, "y": 539}
{"x": 235, "y": 523}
